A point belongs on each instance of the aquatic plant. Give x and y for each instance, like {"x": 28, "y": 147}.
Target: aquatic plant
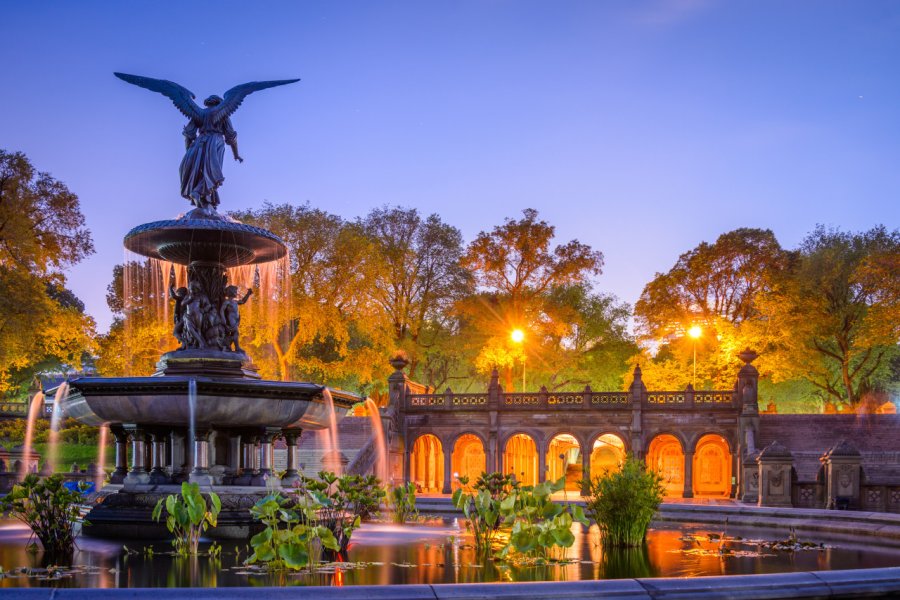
{"x": 188, "y": 516}
{"x": 624, "y": 502}
{"x": 538, "y": 524}
{"x": 51, "y": 510}
{"x": 343, "y": 502}
{"x": 402, "y": 501}
{"x": 292, "y": 538}
{"x": 481, "y": 506}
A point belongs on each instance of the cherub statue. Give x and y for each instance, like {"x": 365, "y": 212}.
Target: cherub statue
{"x": 207, "y": 132}
{"x": 231, "y": 317}
{"x": 178, "y": 296}
{"x": 195, "y": 305}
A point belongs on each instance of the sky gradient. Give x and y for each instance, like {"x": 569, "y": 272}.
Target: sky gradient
{"x": 640, "y": 128}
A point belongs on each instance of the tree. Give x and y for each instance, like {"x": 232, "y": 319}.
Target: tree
{"x": 518, "y": 272}
{"x": 716, "y": 286}
{"x": 41, "y": 232}
{"x": 834, "y": 312}
{"x": 328, "y": 331}
{"x": 418, "y": 278}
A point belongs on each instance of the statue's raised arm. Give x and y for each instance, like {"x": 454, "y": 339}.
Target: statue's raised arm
{"x": 208, "y": 130}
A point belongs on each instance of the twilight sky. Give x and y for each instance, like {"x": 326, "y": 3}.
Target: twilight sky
{"x": 640, "y": 128}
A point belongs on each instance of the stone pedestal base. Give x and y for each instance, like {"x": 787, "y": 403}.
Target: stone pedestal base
{"x": 206, "y": 363}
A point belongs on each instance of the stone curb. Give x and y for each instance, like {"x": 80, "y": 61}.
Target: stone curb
{"x": 854, "y": 583}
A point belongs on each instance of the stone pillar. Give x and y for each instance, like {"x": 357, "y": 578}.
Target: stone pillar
{"x": 448, "y": 471}
{"x": 543, "y": 465}
{"x": 234, "y": 456}
{"x": 200, "y": 473}
{"x": 158, "y": 458}
{"x": 138, "y": 474}
{"x": 775, "y": 464}
{"x": 266, "y": 458}
{"x": 291, "y": 476}
{"x": 637, "y": 392}
{"x": 750, "y": 479}
{"x": 688, "y": 491}
{"x": 121, "y": 470}
{"x": 179, "y": 456}
{"x": 397, "y": 381}
{"x": 843, "y": 466}
{"x": 585, "y": 472}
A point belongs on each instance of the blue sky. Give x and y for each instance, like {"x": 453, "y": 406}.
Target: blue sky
{"x": 641, "y": 128}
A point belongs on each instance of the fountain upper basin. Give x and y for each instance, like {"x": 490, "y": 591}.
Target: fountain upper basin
{"x": 186, "y": 240}
{"x": 221, "y": 402}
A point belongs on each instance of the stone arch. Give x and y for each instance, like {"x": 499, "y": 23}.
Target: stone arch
{"x": 712, "y": 468}
{"x": 564, "y": 458}
{"x": 608, "y": 451}
{"x": 468, "y": 458}
{"x": 520, "y": 457}
{"x": 665, "y": 455}
{"x": 694, "y": 442}
{"x": 426, "y": 463}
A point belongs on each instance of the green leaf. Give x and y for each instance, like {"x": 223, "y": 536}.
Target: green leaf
{"x": 263, "y": 537}
{"x": 293, "y": 555}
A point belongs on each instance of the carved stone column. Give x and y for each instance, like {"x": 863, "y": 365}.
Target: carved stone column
{"x": 290, "y": 474}
{"x": 775, "y": 463}
{"x": 138, "y": 474}
{"x": 178, "y": 457}
{"x": 448, "y": 472}
{"x": 158, "y": 458}
{"x": 585, "y": 473}
{"x": 843, "y": 466}
{"x": 688, "y": 491}
{"x": 121, "y": 470}
{"x": 266, "y": 457}
{"x": 200, "y": 473}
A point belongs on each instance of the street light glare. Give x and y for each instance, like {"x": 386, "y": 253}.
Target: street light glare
{"x": 695, "y": 331}
{"x": 518, "y": 336}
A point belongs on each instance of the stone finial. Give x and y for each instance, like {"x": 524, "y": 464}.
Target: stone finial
{"x": 748, "y": 356}
{"x": 638, "y": 374}
{"x": 843, "y": 448}
{"x": 399, "y": 360}
{"x": 775, "y": 450}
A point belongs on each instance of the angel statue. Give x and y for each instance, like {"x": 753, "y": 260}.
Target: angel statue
{"x": 207, "y": 132}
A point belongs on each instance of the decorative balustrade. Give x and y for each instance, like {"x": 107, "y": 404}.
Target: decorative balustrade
{"x": 14, "y": 408}
{"x": 666, "y": 398}
{"x": 587, "y": 399}
{"x": 713, "y": 398}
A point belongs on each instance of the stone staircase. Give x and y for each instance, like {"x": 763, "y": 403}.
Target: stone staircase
{"x": 354, "y": 437}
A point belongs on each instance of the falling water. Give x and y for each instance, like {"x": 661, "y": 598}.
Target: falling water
{"x": 101, "y": 457}
{"x": 381, "y": 462}
{"x": 34, "y": 411}
{"x": 55, "y": 420}
{"x": 332, "y": 445}
{"x": 192, "y": 417}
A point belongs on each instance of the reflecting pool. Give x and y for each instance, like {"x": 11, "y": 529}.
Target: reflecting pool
{"x": 440, "y": 551}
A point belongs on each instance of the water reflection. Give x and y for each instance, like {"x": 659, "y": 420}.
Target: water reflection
{"x": 436, "y": 552}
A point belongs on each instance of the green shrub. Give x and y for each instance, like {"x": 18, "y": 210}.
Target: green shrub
{"x": 624, "y": 502}
{"x": 402, "y": 501}
{"x": 188, "y": 516}
{"x": 51, "y": 511}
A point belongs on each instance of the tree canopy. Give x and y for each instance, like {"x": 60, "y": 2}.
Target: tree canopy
{"x": 42, "y": 324}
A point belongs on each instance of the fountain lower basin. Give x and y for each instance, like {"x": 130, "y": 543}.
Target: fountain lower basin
{"x": 220, "y": 402}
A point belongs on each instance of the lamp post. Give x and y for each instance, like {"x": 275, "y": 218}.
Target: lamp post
{"x": 518, "y": 337}
{"x": 695, "y": 332}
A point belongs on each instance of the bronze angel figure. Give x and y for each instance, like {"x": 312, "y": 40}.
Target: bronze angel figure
{"x": 207, "y": 132}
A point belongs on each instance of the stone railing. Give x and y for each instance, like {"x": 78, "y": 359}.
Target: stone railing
{"x": 587, "y": 399}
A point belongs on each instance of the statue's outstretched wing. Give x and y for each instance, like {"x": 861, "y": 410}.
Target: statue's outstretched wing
{"x": 236, "y": 95}
{"x": 181, "y": 97}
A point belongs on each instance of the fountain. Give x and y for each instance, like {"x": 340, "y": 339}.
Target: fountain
{"x": 205, "y": 416}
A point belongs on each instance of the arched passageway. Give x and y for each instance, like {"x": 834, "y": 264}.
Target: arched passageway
{"x": 520, "y": 457}
{"x": 608, "y": 454}
{"x": 426, "y": 464}
{"x": 666, "y": 456}
{"x": 564, "y": 458}
{"x": 468, "y": 459}
{"x": 712, "y": 467}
